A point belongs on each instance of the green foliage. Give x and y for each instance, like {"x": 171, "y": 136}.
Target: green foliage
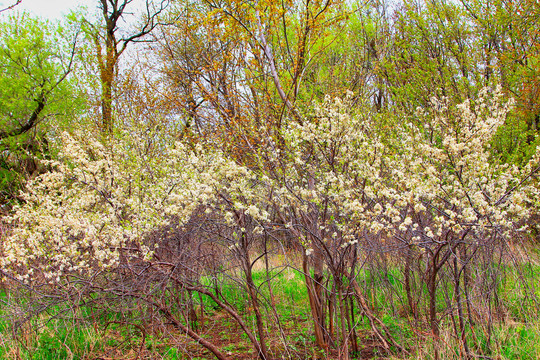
{"x": 105, "y": 334}
{"x": 35, "y": 61}
{"x": 514, "y": 142}
{"x": 433, "y": 56}
{"x": 38, "y": 96}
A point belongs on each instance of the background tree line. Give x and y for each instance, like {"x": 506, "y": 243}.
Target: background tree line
{"x": 179, "y": 163}
{"x": 234, "y": 65}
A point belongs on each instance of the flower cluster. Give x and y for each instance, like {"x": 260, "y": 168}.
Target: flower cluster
{"x": 97, "y": 204}
{"x": 330, "y": 182}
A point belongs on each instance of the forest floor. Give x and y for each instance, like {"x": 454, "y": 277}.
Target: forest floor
{"x": 85, "y": 336}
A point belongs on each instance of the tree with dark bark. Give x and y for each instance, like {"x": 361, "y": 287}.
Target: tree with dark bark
{"x": 37, "y": 92}
{"x": 110, "y": 43}
{"x": 36, "y": 59}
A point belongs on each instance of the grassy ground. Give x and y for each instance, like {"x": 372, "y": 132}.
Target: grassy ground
{"x": 516, "y": 336}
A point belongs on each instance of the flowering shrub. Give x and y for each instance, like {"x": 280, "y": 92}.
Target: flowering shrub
{"x": 100, "y": 200}
{"x": 446, "y": 169}
{"x": 339, "y": 166}
{"x": 435, "y": 197}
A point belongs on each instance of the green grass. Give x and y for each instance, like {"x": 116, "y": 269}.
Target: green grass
{"x": 54, "y": 341}
{"x": 517, "y": 336}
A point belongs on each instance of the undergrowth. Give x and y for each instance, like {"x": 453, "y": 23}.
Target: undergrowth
{"x": 86, "y": 335}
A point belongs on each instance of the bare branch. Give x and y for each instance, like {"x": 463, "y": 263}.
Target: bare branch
{"x": 11, "y": 6}
{"x": 32, "y": 120}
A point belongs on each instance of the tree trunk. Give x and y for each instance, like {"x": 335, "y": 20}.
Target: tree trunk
{"x": 252, "y": 291}
{"x": 316, "y": 307}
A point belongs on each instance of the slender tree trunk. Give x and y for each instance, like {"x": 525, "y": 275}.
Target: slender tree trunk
{"x": 432, "y": 289}
{"x": 344, "y": 346}
{"x": 252, "y": 291}
{"x": 457, "y": 293}
{"x": 107, "y": 84}
{"x": 315, "y": 284}
{"x": 316, "y": 306}
{"x": 106, "y": 107}
{"x": 352, "y": 324}
{"x": 375, "y": 322}
{"x": 410, "y": 300}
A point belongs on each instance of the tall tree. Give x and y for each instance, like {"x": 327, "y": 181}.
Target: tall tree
{"x": 508, "y": 42}
{"x": 433, "y": 55}
{"x": 242, "y": 67}
{"x": 110, "y": 43}
{"x": 36, "y": 60}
